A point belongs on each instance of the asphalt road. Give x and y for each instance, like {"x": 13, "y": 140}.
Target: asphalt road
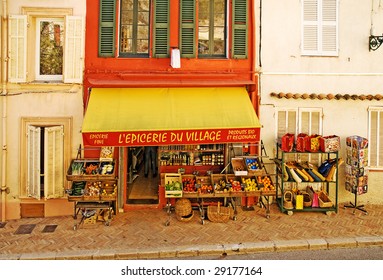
{"x": 367, "y": 253}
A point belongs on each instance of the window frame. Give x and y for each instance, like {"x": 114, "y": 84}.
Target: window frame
{"x": 318, "y": 33}
{"x": 26, "y": 123}
{"x": 379, "y": 144}
{"x": 211, "y": 28}
{"x": 38, "y": 76}
{"x": 135, "y": 32}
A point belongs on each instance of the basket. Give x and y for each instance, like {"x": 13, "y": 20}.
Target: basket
{"x": 324, "y": 200}
{"x": 306, "y": 199}
{"x": 218, "y": 214}
{"x": 183, "y": 210}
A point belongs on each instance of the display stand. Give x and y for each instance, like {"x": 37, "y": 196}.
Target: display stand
{"x": 227, "y": 198}
{"x": 356, "y": 176}
{"x": 289, "y": 185}
{"x": 94, "y": 186}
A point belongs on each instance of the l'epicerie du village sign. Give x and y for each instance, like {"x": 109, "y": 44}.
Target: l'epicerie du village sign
{"x": 178, "y": 137}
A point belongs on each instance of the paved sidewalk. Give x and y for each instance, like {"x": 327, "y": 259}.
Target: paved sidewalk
{"x": 142, "y": 234}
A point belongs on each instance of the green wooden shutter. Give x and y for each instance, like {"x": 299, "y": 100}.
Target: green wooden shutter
{"x": 240, "y": 29}
{"x": 188, "y": 40}
{"x": 161, "y": 29}
{"x": 106, "y": 40}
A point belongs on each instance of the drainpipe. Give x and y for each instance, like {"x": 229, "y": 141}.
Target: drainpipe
{"x": 4, "y": 55}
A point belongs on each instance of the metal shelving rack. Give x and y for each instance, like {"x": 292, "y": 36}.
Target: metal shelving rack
{"x": 356, "y": 175}
{"x": 330, "y": 186}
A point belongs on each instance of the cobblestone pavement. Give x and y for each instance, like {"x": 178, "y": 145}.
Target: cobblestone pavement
{"x": 142, "y": 234}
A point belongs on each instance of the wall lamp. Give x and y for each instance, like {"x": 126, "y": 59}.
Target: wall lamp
{"x": 375, "y": 42}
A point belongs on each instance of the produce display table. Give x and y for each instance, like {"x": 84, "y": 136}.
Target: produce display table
{"x": 231, "y": 196}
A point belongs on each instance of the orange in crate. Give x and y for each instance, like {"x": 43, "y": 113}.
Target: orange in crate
{"x": 265, "y": 183}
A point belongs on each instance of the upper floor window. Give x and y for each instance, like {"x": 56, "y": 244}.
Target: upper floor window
{"x": 134, "y": 28}
{"x": 50, "y": 48}
{"x": 144, "y": 28}
{"x": 320, "y": 27}
{"x": 55, "y": 46}
{"x": 211, "y": 28}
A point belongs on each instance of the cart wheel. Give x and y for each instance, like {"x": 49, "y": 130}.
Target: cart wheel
{"x": 290, "y": 213}
{"x": 202, "y": 221}
{"x": 167, "y": 223}
{"x": 75, "y": 227}
{"x": 234, "y": 218}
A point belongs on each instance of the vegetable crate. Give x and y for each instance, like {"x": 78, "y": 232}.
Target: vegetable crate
{"x": 173, "y": 185}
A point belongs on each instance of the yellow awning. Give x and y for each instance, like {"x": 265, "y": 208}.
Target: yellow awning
{"x": 169, "y": 116}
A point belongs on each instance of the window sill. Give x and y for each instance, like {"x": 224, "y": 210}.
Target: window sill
{"x": 53, "y": 82}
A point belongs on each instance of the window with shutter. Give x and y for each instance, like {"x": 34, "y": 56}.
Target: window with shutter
{"x": 56, "y": 41}
{"x": 107, "y": 28}
{"x": 286, "y": 122}
{"x": 45, "y": 156}
{"x": 301, "y": 120}
{"x": 375, "y": 137}
{"x": 17, "y": 48}
{"x": 45, "y": 166}
{"x": 240, "y": 29}
{"x": 74, "y": 49}
{"x": 187, "y": 32}
{"x": 161, "y": 29}
{"x": 310, "y": 121}
{"x": 320, "y": 27}
{"x": 33, "y": 161}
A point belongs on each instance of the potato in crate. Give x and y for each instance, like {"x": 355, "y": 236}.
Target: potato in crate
{"x": 108, "y": 190}
{"x": 239, "y": 166}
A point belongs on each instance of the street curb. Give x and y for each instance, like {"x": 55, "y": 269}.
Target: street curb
{"x": 205, "y": 250}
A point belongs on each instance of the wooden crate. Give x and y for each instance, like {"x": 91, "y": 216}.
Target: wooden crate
{"x": 253, "y": 165}
{"x": 169, "y": 179}
{"x": 239, "y": 167}
{"x": 74, "y": 174}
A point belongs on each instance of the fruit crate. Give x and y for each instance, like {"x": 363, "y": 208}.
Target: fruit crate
{"x": 265, "y": 183}
{"x": 253, "y": 165}
{"x": 204, "y": 185}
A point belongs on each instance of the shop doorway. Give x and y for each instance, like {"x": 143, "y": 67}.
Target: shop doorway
{"x": 141, "y": 189}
